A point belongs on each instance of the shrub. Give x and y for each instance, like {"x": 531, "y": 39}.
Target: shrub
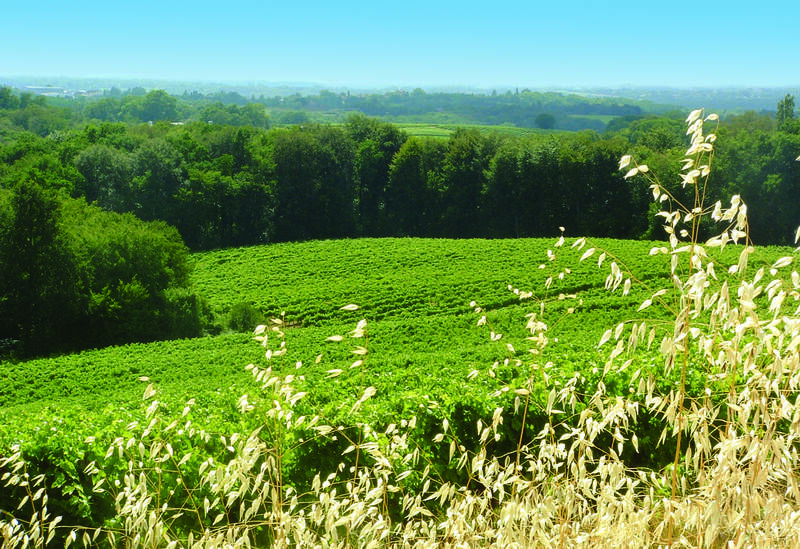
{"x": 187, "y": 314}
{"x": 243, "y": 317}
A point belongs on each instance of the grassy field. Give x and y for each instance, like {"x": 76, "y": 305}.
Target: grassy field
{"x": 604, "y": 118}
{"x": 444, "y": 130}
{"x": 415, "y": 295}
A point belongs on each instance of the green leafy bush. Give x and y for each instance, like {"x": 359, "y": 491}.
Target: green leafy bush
{"x": 243, "y": 317}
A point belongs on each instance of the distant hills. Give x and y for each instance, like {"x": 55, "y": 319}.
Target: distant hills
{"x": 733, "y": 99}
{"x": 720, "y": 99}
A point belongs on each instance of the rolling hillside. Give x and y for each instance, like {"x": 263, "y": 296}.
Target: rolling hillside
{"x": 415, "y": 295}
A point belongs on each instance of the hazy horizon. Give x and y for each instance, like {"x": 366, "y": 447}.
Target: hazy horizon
{"x": 58, "y": 80}
{"x": 414, "y": 44}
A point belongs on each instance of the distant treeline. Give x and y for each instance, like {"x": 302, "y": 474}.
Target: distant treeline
{"x": 42, "y": 115}
{"x": 527, "y": 109}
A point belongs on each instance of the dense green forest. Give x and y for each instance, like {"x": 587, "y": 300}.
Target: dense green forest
{"x": 96, "y": 169}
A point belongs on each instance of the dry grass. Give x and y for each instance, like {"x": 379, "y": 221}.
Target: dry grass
{"x": 733, "y": 481}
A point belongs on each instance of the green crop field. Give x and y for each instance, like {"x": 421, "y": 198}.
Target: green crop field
{"x": 604, "y": 118}
{"x": 414, "y": 294}
{"x": 444, "y": 130}
{"x": 426, "y": 130}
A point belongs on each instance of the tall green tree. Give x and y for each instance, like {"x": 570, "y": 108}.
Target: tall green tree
{"x": 337, "y": 184}
{"x": 502, "y": 200}
{"x": 612, "y": 206}
{"x": 107, "y": 177}
{"x": 7, "y": 98}
{"x": 158, "y": 174}
{"x": 785, "y": 118}
{"x": 376, "y": 145}
{"x": 785, "y": 114}
{"x": 108, "y": 109}
{"x": 523, "y": 189}
{"x": 408, "y": 197}
{"x": 313, "y": 182}
{"x": 39, "y": 289}
{"x": 466, "y": 161}
{"x": 762, "y": 168}
{"x": 545, "y": 121}
{"x": 156, "y": 105}
{"x": 135, "y": 274}
{"x": 540, "y": 190}
{"x": 295, "y": 156}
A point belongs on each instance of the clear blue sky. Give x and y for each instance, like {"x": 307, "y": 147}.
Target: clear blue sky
{"x": 410, "y": 43}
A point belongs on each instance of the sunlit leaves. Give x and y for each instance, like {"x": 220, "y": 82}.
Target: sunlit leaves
{"x": 693, "y": 116}
{"x": 631, "y": 173}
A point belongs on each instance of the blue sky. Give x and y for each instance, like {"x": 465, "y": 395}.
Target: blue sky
{"x": 412, "y": 43}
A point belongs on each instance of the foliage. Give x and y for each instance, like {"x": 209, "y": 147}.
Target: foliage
{"x": 525, "y": 109}
{"x": 785, "y": 115}
{"x": 411, "y": 333}
{"x": 224, "y": 184}
{"x": 243, "y": 317}
{"x": 545, "y": 121}
{"x": 39, "y": 283}
{"x": 761, "y": 167}
{"x": 74, "y": 276}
